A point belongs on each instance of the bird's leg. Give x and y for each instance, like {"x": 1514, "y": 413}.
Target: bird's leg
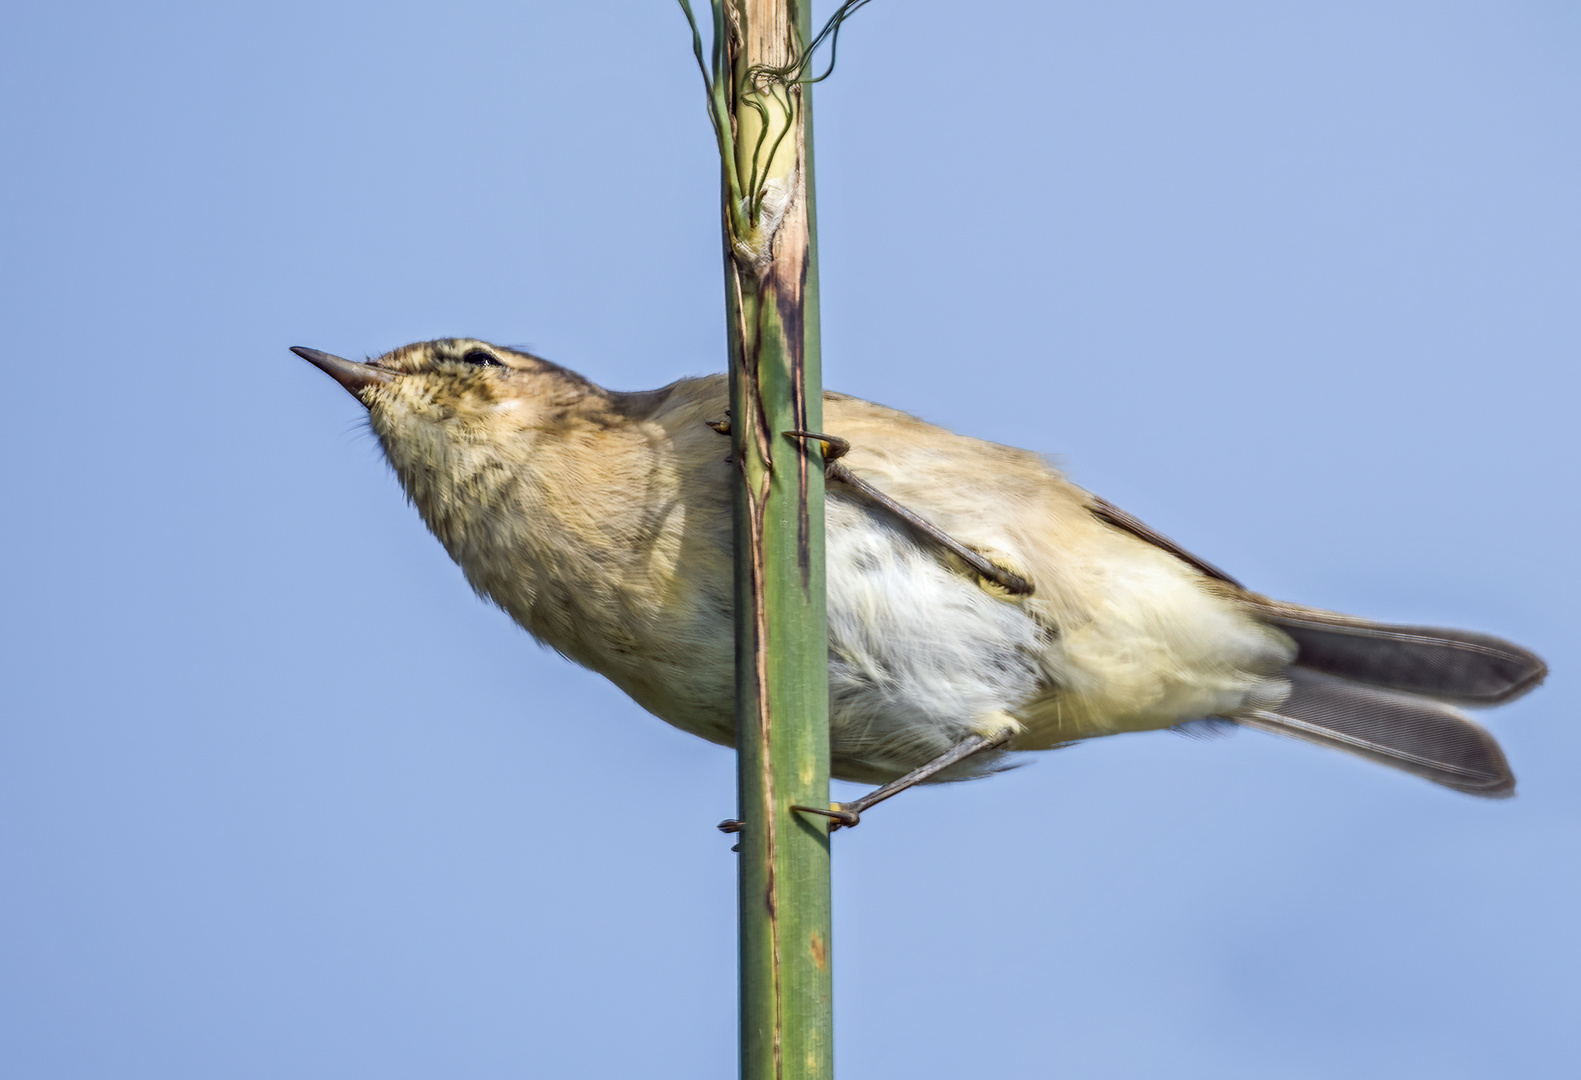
{"x": 848, "y": 814}
{"x": 836, "y": 448}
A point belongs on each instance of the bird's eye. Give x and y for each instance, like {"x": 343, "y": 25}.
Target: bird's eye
{"x": 483, "y": 359}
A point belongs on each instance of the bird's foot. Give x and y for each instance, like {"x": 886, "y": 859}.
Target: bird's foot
{"x": 834, "y": 447}
{"x": 847, "y": 815}
{"x": 844, "y": 817}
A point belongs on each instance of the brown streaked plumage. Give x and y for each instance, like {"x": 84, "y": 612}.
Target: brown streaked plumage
{"x": 600, "y": 522}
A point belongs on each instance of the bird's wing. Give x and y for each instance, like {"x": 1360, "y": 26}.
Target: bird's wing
{"x": 1111, "y": 514}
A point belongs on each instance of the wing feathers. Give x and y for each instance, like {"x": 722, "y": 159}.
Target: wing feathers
{"x": 1110, "y": 514}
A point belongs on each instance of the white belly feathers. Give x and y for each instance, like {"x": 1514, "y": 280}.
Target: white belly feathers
{"x": 922, "y": 656}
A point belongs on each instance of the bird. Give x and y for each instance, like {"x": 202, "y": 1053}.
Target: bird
{"x": 980, "y": 604}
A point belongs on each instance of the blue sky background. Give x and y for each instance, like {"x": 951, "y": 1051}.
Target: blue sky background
{"x": 1296, "y": 283}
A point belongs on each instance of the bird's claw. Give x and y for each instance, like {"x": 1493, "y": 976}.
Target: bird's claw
{"x": 834, "y": 447}
{"x": 843, "y": 818}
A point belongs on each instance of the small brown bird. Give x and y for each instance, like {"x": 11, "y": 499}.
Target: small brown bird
{"x": 601, "y": 522}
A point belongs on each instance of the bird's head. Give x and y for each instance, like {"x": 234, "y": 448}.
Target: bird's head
{"x": 450, "y": 412}
{"x": 460, "y": 389}
{"x": 461, "y": 382}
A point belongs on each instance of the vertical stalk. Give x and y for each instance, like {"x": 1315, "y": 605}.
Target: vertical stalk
{"x": 782, "y": 675}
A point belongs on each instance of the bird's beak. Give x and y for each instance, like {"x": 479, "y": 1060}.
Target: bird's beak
{"x": 353, "y": 376}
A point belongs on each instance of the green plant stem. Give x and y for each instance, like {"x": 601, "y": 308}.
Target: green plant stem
{"x": 782, "y": 687}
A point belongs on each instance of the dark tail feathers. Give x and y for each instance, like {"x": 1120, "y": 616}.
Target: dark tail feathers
{"x": 1411, "y": 733}
{"x": 1383, "y": 691}
{"x": 1446, "y": 665}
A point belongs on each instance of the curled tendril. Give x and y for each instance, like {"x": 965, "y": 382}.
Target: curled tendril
{"x": 795, "y": 71}
{"x": 764, "y": 81}
{"x": 775, "y": 82}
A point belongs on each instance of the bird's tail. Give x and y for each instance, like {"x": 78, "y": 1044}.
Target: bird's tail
{"x": 1388, "y": 693}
